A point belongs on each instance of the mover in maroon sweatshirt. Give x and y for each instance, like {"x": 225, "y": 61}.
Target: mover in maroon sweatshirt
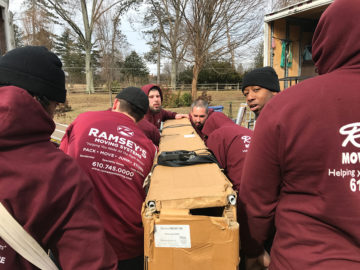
{"x": 117, "y": 156}
{"x": 41, "y": 187}
{"x": 198, "y": 115}
{"x": 229, "y": 142}
{"x": 301, "y": 173}
{"x": 156, "y": 114}
{"x": 149, "y": 130}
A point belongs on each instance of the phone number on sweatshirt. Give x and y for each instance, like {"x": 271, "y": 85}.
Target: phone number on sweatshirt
{"x": 112, "y": 168}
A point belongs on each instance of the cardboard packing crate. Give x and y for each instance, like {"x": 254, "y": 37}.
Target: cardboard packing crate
{"x": 189, "y": 215}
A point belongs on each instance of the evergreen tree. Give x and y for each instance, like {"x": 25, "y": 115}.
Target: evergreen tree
{"x": 134, "y": 68}
{"x": 64, "y": 47}
{"x": 72, "y": 55}
{"x": 213, "y": 72}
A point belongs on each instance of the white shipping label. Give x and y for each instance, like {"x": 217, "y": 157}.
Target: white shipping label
{"x": 189, "y": 136}
{"x": 172, "y": 236}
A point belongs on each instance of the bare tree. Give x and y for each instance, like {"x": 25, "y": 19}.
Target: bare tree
{"x": 230, "y": 45}
{"x": 111, "y": 42}
{"x": 154, "y": 36}
{"x": 71, "y": 10}
{"x": 173, "y": 40}
{"x": 37, "y": 25}
{"x": 216, "y": 27}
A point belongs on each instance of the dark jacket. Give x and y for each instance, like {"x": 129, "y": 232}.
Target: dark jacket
{"x": 117, "y": 156}
{"x": 301, "y": 171}
{"x": 45, "y": 190}
{"x": 157, "y": 117}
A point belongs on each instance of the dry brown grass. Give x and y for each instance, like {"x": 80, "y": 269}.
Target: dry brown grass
{"x": 81, "y": 102}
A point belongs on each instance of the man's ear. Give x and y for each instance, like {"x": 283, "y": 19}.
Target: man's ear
{"x": 274, "y": 93}
{"x": 116, "y": 105}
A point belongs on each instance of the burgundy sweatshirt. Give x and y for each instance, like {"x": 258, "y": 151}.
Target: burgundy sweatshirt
{"x": 150, "y": 131}
{"x": 157, "y": 117}
{"x": 45, "y": 190}
{"x": 117, "y": 156}
{"x": 301, "y": 173}
{"x": 229, "y": 142}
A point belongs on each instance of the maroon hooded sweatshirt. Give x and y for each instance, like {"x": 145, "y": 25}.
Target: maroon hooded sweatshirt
{"x": 301, "y": 173}
{"x": 45, "y": 190}
{"x": 117, "y": 156}
{"x": 150, "y": 131}
{"x": 157, "y": 117}
{"x": 229, "y": 142}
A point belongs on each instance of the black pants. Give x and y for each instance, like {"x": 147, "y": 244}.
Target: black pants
{"x": 132, "y": 264}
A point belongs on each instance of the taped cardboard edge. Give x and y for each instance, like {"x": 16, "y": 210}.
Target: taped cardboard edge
{"x": 148, "y": 220}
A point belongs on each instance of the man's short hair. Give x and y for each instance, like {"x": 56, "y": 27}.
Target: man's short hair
{"x": 201, "y": 103}
{"x": 131, "y": 110}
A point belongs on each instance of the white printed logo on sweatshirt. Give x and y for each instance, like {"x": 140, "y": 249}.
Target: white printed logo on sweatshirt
{"x": 353, "y": 134}
{"x": 2, "y": 259}
{"x": 247, "y": 140}
{"x": 125, "y": 131}
{"x": 349, "y": 159}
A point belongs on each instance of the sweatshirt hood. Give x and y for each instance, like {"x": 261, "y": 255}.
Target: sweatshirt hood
{"x": 336, "y": 41}
{"x": 23, "y": 119}
{"x": 146, "y": 88}
{"x": 215, "y": 121}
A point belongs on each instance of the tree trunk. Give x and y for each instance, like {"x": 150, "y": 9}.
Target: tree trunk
{"x": 173, "y": 74}
{"x": 158, "y": 60}
{"x": 89, "y": 74}
{"x": 108, "y": 85}
{"x": 196, "y": 71}
{"x": 110, "y": 97}
{"x": 88, "y": 46}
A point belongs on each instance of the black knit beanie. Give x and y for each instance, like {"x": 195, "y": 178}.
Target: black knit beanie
{"x": 136, "y": 97}
{"x": 265, "y": 77}
{"x": 36, "y": 70}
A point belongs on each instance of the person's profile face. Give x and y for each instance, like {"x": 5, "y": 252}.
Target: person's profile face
{"x": 257, "y": 97}
{"x": 198, "y": 116}
{"x": 154, "y": 100}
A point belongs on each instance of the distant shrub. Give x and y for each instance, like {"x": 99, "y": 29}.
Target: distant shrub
{"x": 170, "y": 99}
{"x": 115, "y": 87}
{"x": 186, "y": 99}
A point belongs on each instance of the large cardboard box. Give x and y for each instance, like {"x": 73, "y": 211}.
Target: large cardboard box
{"x": 189, "y": 215}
